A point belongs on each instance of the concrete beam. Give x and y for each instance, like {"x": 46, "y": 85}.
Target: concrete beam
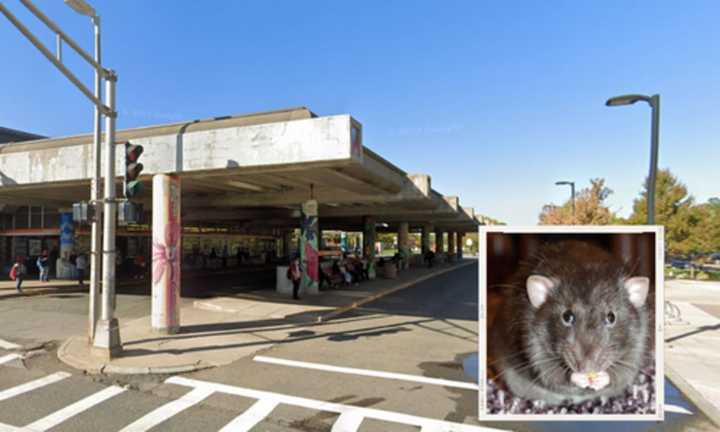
{"x": 453, "y": 202}
{"x": 295, "y": 142}
{"x": 410, "y": 194}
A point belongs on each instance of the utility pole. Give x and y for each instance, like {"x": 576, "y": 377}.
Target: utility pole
{"x": 95, "y": 194}
{"x": 83, "y": 8}
{"x": 106, "y": 342}
{"x": 105, "y": 338}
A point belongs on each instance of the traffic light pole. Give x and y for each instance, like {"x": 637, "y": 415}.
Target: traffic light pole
{"x": 106, "y": 337}
{"x": 95, "y": 195}
{"x": 107, "y": 334}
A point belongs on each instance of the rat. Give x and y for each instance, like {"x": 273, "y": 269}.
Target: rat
{"x": 575, "y": 325}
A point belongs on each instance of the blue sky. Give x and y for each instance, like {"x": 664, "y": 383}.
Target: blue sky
{"x": 495, "y": 100}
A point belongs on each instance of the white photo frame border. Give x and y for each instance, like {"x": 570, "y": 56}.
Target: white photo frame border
{"x": 659, "y": 232}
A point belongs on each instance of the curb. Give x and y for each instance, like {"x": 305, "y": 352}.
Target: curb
{"x": 107, "y": 368}
{"x": 343, "y": 309}
{"x": 695, "y": 397}
{"x": 100, "y": 368}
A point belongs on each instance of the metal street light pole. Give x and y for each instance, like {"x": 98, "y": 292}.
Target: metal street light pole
{"x": 572, "y": 194}
{"x": 654, "y": 102}
{"x": 107, "y": 333}
{"x": 106, "y": 340}
{"x": 83, "y": 8}
{"x": 95, "y": 195}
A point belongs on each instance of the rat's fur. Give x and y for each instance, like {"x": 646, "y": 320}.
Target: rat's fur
{"x": 536, "y": 353}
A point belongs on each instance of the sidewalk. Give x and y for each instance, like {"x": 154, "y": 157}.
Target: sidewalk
{"x": 222, "y": 330}
{"x": 692, "y": 343}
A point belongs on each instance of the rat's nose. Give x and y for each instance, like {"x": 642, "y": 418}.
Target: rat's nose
{"x": 587, "y": 355}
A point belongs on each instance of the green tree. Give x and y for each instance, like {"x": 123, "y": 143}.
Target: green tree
{"x": 590, "y": 208}
{"x": 674, "y": 209}
{"x": 706, "y": 232}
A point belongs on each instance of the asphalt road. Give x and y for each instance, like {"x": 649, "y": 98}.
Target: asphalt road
{"x": 395, "y": 365}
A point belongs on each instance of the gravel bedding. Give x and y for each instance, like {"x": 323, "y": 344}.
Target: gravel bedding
{"x": 639, "y": 398}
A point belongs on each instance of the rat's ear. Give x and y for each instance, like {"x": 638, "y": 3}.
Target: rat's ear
{"x": 538, "y": 289}
{"x": 637, "y": 289}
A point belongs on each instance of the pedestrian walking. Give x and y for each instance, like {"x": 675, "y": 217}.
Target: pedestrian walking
{"x": 17, "y": 273}
{"x": 81, "y": 266}
{"x": 295, "y": 276}
{"x": 429, "y": 258}
{"x": 43, "y": 265}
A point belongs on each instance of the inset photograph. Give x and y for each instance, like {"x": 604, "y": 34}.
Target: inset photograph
{"x": 568, "y": 323}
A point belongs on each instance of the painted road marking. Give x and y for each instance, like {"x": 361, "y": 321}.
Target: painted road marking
{"x": 32, "y": 385}
{"x": 168, "y": 410}
{"x": 368, "y": 372}
{"x": 60, "y": 416}
{"x": 313, "y": 404}
{"x": 8, "y": 345}
{"x": 677, "y": 409}
{"x": 250, "y": 418}
{"x": 347, "y": 422}
{"x": 10, "y": 357}
{"x": 434, "y": 428}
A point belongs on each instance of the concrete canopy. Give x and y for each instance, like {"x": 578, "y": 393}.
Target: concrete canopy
{"x": 256, "y": 168}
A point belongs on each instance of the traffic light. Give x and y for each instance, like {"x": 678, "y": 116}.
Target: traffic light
{"x": 131, "y": 185}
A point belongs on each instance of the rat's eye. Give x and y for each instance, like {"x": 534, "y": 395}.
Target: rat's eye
{"x": 568, "y": 318}
{"x": 610, "y": 319}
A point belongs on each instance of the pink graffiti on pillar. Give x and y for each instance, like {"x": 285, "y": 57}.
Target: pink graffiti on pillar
{"x": 165, "y": 261}
{"x": 312, "y": 258}
{"x": 166, "y": 253}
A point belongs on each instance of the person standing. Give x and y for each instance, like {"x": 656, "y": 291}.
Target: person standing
{"x": 295, "y": 276}
{"x": 17, "y": 273}
{"x": 43, "y": 265}
{"x": 81, "y": 266}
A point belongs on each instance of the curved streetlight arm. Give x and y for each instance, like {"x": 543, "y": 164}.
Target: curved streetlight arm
{"x": 630, "y": 99}
{"x": 654, "y": 102}
{"x": 572, "y": 193}
{"x": 57, "y": 30}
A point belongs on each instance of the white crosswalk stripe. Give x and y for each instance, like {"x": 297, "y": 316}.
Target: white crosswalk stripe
{"x": 32, "y": 385}
{"x": 168, "y": 410}
{"x": 347, "y": 422}
{"x": 313, "y": 404}
{"x": 350, "y": 418}
{"x": 10, "y": 357}
{"x": 8, "y": 345}
{"x": 60, "y": 416}
{"x": 254, "y": 415}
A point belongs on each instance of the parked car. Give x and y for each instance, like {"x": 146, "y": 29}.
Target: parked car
{"x": 680, "y": 263}
{"x": 714, "y": 258}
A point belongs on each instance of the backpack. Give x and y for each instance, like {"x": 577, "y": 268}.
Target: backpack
{"x": 13, "y": 272}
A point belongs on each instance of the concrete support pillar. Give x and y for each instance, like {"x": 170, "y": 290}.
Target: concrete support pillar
{"x": 404, "y": 243}
{"x": 452, "y": 250}
{"x": 369, "y": 244}
{"x": 166, "y": 253}
{"x": 439, "y": 241}
{"x": 460, "y": 245}
{"x": 425, "y": 238}
{"x": 309, "y": 244}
